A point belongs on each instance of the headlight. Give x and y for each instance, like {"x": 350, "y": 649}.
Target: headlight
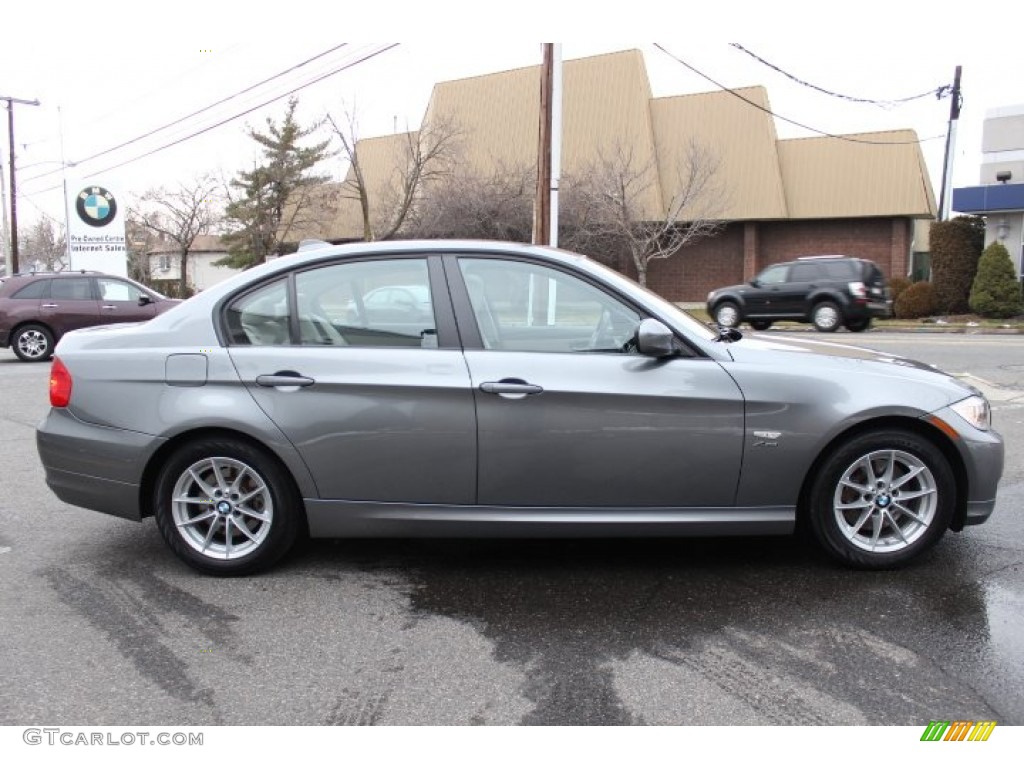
{"x": 975, "y": 411}
{"x": 711, "y": 295}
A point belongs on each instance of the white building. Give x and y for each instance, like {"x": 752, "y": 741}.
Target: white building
{"x": 165, "y": 262}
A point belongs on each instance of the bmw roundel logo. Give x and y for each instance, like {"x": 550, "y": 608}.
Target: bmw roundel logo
{"x": 96, "y": 206}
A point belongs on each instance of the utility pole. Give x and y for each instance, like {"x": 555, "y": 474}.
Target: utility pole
{"x": 542, "y": 201}
{"x": 947, "y": 166}
{"x": 11, "y": 101}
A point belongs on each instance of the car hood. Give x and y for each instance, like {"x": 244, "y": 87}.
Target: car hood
{"x": 850, "y": 365}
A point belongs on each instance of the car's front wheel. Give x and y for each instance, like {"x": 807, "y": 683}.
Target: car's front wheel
{"x": 881, "y": 499}
{"x": 727, "y": 315}
{"x": 226, "y": 507}
{"x": 32, "y": 343}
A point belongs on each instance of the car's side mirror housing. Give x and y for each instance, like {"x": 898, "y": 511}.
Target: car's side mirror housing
{"x": 654, "y": 339}
{"x": 144, "y": 300}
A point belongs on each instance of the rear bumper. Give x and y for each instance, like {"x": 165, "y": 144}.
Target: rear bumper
{"x": 95, "y": 467}
{"x": 5, "y": 338}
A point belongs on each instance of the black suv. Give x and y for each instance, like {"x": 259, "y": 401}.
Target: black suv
{"x": 36, "y": 309}
{"x": 828, "y": 291}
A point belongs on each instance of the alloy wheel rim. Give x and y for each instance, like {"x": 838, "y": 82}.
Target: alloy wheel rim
{"x": 826, "y": 317}
{"x": 222, "y": 508}
{"x": 726, "y": 316}
{"x": 32, "y": 343}
{"x": 885, "y": 501}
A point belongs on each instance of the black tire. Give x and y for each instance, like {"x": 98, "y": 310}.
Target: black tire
{"x": 826, "y": 316}
{"x": 255, "y": 492}
{"x": 856, "y": 326}
{"x": 760, "y": 325}
{"x": 32, "y": 343}
{"x": 881, "y": 522}
{"x": 728, "y": 315}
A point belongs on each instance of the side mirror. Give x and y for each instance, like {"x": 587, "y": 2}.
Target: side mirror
{"x": 144, "y": 300}
{"x": 654, "y": 339}
{"x": 756, "y": 283}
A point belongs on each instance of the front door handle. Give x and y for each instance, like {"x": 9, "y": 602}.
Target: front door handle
{"x": 284, "y": 379}
{"x": 511, "y": 387}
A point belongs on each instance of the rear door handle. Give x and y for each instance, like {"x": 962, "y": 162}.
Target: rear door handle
{"x": 50, "y": 306}
{"x": 511, "y": 387}
{"x": 109, "y": 306}
{"x": 284, "y": 379}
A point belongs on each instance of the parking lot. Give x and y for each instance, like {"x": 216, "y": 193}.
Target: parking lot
{"x": 103, "y": 626}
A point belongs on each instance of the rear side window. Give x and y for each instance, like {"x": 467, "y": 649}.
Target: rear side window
{"x": 841, "y": 270}
{"x": 260, "y": 318}
{"x": 72, "y": 288}
{"x": 804, "y": 273}
{"x": 40, "y": 289}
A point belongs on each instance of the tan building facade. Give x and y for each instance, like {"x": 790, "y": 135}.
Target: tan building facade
{"x": 858, "y": 195}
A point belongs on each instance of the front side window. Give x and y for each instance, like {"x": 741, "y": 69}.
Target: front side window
{"x": 379, "y": 303}
{"x": 773, "y": 275}
{"x": 527, "y": 307}
{"x": 117, "y": 290}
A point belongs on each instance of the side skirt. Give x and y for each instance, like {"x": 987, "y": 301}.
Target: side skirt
{"x": 358, "y": 519}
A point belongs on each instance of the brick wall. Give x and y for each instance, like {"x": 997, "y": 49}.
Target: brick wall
{"x": 744, "y": 248}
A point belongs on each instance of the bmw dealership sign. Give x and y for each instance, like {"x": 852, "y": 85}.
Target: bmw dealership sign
{"x": 96, "y": 237}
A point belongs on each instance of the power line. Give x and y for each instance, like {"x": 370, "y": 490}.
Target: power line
{"x": 938, "y": 93}
{"x": 349, "y": 65}
{"x": 777, "y": 116}
{"x": 197, "y": 112}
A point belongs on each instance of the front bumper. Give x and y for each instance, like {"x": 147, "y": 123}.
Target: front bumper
{"x": 5, "y": 338}
{"x": 99, "y": 468}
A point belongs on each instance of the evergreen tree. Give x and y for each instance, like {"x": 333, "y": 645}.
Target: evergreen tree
{"x": 996, "y": 290}
{"x": 955, "y": 247}
{"x": 274, "y": 196}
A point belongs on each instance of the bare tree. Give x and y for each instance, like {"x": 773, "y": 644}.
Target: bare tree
{"x": 45, "y": 245}
{"x": 180, "y": 216}
{"x": 469, "y": 204}
{"x": 386, "y": 195}
{"x": 616, "y": 203}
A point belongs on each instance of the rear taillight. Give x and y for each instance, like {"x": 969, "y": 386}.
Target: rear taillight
{"x": 60, "y": 384}
{"x": 858, "y": 291}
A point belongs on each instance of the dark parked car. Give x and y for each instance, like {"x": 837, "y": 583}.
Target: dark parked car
{"x": 37, "y": 309}
{"x": 544, "y": 395}
{"x": 829, "y": 291}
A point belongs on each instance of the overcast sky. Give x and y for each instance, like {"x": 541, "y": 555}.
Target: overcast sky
{"x": 106, "y": 74}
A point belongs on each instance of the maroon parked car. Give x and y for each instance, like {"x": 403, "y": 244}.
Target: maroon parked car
{"x": 37, "y": 309}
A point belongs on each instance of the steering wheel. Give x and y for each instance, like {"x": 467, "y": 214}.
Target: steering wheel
{"x": 602, "y": 337}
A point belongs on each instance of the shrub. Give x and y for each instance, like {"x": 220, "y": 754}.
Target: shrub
{"x": 918, "y": 300}
{"x": 996, "y": 291}
{"x": 955, "y": 248}
{"x": 898, "y": 285}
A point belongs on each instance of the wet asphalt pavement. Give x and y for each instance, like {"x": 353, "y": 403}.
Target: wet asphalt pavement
{"x": 103, "y": 626}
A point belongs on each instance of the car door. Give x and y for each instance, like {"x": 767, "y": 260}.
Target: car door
{"x": 792, "y": 295}
{"x": 122, "y": 302}
{"x": 763, "y": 299}
{"x": 379, "y": 411}
{"x": 568, "y": 414}
{"x": 72, "y": 304}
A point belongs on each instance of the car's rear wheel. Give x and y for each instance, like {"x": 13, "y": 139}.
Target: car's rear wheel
{"x": 856, "y": 326}
{"x": 826, "y": 316}
{"x": 881, "y": 499}
{"x": 226, "y": 507}
{"x": 32, "y": 343}
{"x": 760, "y": 325}
{"x": 727, "y": 315}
